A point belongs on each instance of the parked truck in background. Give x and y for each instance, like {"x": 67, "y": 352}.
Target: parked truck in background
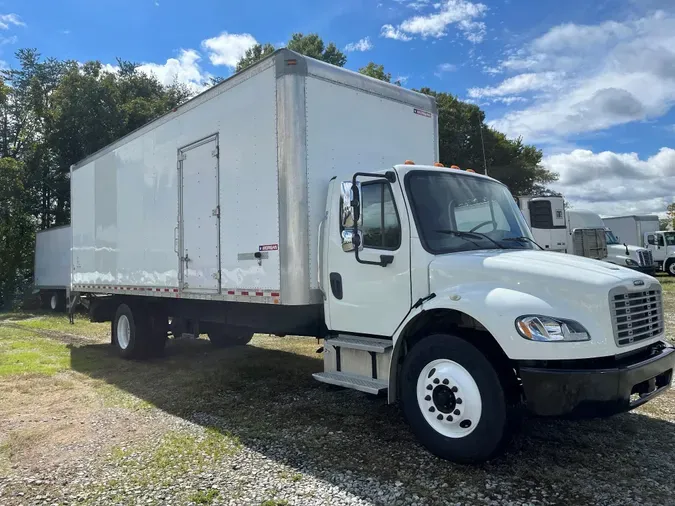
{"x": 580, "y": 233}
{"x": 643, "y": 231}
{"x": 52, "y": 267}
{"x": 279, "y": 202}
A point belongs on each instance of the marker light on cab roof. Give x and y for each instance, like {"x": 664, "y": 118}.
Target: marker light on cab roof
{"x": 438, "y": 164}
{"x": 408, "y": 162}
{"x": 454, "y": 167}
{"x": 470, "y": 170}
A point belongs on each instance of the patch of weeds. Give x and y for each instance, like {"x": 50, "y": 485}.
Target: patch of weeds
{"x": 204, "y": 496}
{"x": 176, "y": 454}
{"x": 22, "y": 352}
{"x": 296, "y": 477}
{"x": 274, "y": 502}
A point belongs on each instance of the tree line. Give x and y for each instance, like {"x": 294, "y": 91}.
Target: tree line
{"x": 54, "y": 113}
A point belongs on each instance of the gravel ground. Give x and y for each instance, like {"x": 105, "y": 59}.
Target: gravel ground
{"x": 249, "y": 426}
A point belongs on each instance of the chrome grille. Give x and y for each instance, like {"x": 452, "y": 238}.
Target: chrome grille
{"x": 645, "y": 257}
{"x": 636, "y": 315}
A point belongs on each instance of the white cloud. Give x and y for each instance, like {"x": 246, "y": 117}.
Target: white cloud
{"x": 615, "y": 183}
{"x": 10, "y": 19}
{"x": 519, "y": 84}
{"x": 610, "y": 74}
{"x": 185, "y": 69}
{"x": 444, "y": 68}
{"x": 401, "y": 79}
{"x": 461, "y": 14}
{"x": 418, "y": 5}
{"x": 362, "y": 45}
{"x": 228, "y": 48}
{"x": 389, "y": 32}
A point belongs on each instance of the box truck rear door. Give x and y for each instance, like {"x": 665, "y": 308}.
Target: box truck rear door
{"x": 200, "y": 217}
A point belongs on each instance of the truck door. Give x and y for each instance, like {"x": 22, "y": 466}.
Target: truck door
{"x": 656, "y": 245}
{"x": 371, "y": 296}
{"x": 199, "y": 221}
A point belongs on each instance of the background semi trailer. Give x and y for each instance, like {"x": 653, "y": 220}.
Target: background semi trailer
{"x": 52, "y": 266}
{"x": 643, "y": 231}
{"x": 278, "y": 202}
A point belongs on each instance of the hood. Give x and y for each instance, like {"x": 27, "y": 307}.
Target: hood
{"x": 525, "y": 267}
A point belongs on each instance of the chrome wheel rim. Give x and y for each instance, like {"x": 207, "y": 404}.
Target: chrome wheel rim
{"x": 123, "y": 332}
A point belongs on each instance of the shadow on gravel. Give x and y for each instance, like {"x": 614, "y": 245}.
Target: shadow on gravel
{"x": 268, "y": 399}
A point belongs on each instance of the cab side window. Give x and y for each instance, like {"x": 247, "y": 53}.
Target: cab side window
{"x": 381, "y": 224}
{"x": 660, "y": 239}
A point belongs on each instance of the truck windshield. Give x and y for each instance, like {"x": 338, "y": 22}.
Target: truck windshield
{"x": 457, "y": 212}
{"x": 610, "y": 237}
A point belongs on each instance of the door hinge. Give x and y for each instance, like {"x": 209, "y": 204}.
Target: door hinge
{"x": 216, "y": 275}
{"x": 216, "y": 152}
{"x": 216, "y": 212}
{"x": 181, "y": 157}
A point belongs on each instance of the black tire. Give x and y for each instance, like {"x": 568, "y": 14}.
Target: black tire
{"x": 136, "y": 344}
{"x": 54, "y": 301}
{"x": 494, "y": 428}
{"x": 158, "y": 331}
{"x": 670, "y": 268}
{"x": 226, "y": 337}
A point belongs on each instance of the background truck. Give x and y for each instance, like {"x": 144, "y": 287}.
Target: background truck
{"x": 643, "y": 231}
{"x": 52, "y": 266}
{"x": 580, "y": 232}
{"x": 278, "y": 202}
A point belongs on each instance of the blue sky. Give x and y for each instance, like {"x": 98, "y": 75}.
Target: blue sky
{"x": 592, "y": 83}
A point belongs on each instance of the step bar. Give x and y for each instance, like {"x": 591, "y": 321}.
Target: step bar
{"x": 353, "y": 381}
{"x": 360, "y": 343}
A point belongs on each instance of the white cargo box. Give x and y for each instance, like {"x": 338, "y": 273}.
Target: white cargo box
{"x": 222, "y": 199}
{"x": 52, "y": 258}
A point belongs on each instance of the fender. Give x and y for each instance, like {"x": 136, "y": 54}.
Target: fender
{"x": 495, "y": 308}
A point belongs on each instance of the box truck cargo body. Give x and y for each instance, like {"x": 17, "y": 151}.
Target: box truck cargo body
{"x": 52, "y": 266}
{"x": 297, "y": 197}
{"x": 222, "y": 198}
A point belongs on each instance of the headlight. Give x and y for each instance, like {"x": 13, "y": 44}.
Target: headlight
{"x": 631, "y": 262}
{"x": 547, "y": 329}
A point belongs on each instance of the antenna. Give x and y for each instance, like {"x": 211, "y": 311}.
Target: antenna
{"x": 482, "y": 143}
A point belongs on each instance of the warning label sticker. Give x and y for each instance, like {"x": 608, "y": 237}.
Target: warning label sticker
{"x": 422, "y": 112}
{"x": 268, "y": 247}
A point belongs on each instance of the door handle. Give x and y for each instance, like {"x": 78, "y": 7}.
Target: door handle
{"x": 336, "y": 285}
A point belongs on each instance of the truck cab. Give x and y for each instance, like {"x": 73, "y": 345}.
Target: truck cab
{"x": 662, "y": 246}
{"x": 435, "y": 293}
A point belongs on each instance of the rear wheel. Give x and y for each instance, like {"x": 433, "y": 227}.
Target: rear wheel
{"x": 139, "y": 331}
{"x": 454, "y": 400}
{"x": 225, "y": 337}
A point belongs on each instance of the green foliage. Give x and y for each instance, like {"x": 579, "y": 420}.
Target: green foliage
{"x": 376, "y": 71}
{"x": 670, "y": 215}
{"x": 253, "y": 55}
{"x": 313, "y": 46}
{"x": 205, "y": 496}
{"x": 22, "y": 352}
{"x": 510, "y": 161}
{"x": 664, "y": 224}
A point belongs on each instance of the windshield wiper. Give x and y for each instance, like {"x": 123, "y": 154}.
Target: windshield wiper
{"x": 523, "y": 239}
{"x": 469, "y": 235}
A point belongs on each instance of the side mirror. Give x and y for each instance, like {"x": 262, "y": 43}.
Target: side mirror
{"x": 651, "y": 240}
{"x": 351, "y": 204}
{"x": 350, "y": 241}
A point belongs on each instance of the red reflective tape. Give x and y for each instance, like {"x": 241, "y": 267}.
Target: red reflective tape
{"x": 275, "y": 294}
{"x": 230, "y": 292}
{"x": 259, "y": 294}
{"x": 244, "y": 293}
{"x": 166, "y": 289}
{"x": 175, "y": 290}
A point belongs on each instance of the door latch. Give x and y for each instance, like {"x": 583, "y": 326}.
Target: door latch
{"x": 216, "y": 212}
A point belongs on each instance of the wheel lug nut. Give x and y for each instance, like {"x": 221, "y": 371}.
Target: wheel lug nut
{"x": 456, "y": 412}
{"x": 439, "y": 417}
{"x": 454, "y": 389}
{"x": 432, "y": 409}
{"x": 427, "y": 398}
{"x": 436, "y": 381}
{"x": 445, "y": 381}
{"x": 458, "y": 400}
{"x": 429, "y": 387}
{"x": 449, "y": 418}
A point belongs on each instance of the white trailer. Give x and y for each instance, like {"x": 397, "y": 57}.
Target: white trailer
{"x": 52, "y": 266}
{"x": 278, "y": 202}
{"x": 546, "y": 218}
{"x": 644, "y": 231}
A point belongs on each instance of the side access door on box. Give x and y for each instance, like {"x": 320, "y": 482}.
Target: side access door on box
{"x": 199, "y": 219}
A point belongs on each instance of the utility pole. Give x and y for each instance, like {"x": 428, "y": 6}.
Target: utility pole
{"x": 482, "y": 143}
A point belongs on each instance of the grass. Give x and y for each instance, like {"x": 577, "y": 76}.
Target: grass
{"x": 274, "y": 502}
{"x": 204, "y": 496}
{"x": 22, "y": 352}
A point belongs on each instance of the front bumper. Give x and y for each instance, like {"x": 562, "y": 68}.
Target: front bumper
{"x": 649, "y": 270}
{"x": 599, "y": 387}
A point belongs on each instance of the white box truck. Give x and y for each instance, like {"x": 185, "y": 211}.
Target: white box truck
{"x": 580, "y": 232}
{"x": 643, "y": 231}
{"x": 278, "y": 202}
{"x": 52, "y": 266}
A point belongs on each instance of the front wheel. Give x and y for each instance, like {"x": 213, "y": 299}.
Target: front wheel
{"x": 454, "y": 401}
{"x": 670, "y": 268}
